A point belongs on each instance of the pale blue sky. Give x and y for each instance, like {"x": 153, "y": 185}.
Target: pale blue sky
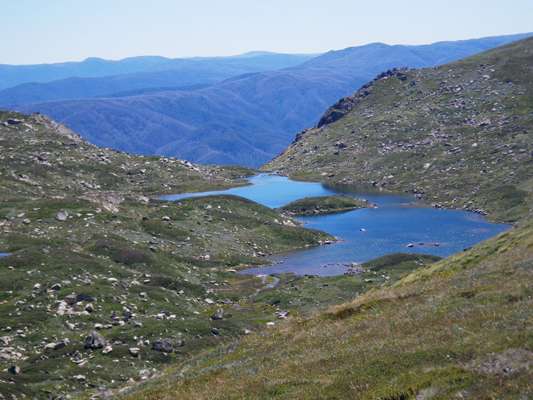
{"x": 35, "y": 31}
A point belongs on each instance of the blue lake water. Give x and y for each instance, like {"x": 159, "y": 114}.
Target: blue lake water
{"x": 270, "y": 190}
{"x": 398, "y": 221}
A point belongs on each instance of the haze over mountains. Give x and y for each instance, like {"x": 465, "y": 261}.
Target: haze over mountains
{"x": 246, "y": 119}
{"x": 140, "y": 298}
{"x": 13, "y": 75}
{"x": 96, "y": 77}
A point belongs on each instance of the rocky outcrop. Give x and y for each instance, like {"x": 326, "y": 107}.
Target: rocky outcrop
{"x": 347, "y": 104}
{"x": 457, "y": 136}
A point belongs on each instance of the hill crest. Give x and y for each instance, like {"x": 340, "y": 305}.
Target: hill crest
{"x": 459, "y": 135}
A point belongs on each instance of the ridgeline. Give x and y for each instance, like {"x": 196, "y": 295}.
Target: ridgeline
{"x": 108, "y": 291}
{"x": 457, "y": 136}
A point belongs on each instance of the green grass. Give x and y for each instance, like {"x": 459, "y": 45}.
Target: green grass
{"x": 433, "y": 334}
{"x": 128, "y": 254}
{"x": 459, "y": 136}
{"x": 323, "y": 205}
{"x": 408, "y": 327}
{"x": 121, "y": 252}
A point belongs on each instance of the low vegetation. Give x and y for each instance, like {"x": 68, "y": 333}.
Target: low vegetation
{"x": 457, "y": 136}
{"x": 324, "y": 205}
{"x": 95, "y": 255}
{"x": 108, "y": 291}
{"x": 460, "y": 328}
{"x": 106, "y": 286}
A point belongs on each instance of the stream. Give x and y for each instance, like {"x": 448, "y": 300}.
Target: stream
{"x": 398, "y": 224}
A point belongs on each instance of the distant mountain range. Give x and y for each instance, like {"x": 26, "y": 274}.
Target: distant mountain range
{"x": 93, "y": 77}
{"x": 246, "y": 119}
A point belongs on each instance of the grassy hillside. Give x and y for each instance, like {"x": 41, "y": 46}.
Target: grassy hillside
{"x": 245, "y": 120}
{"x": 460, "y": 328}
{"x": 93, "y": 251}
{"x": 108, "y": 291}
{"x": 459, "y": 135}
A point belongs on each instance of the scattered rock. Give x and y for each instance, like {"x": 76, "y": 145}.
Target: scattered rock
{"x": 107, "y": 349}
{"x": 61, "y": 344}
{"x": 71, "y": 299}
{"x": 5, "y": 340}
{"x": 56, "y": 287}
{"x": 84, "y": 297}
{"x": 94, "y": 341}
{"x": 14, "y": 369}
{"x": 10, "y": 353}
{"x": 134, "y": 351}
{"x": 163, "y": 345}
{"x": 354, "y": 269}
{"x": 506, "y": 363}
{"x": 218, "y": 315}
{"x": 62, "y": 216}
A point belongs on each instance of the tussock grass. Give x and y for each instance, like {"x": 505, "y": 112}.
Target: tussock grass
{"x": 458, "y": 135}
{"x": 432, "y": 335}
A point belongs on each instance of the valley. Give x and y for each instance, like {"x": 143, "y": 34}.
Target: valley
{"x": 91, "y": 255}
{"x": 246, "y": 119}
{"x": 104, "y": 285}
{"x": 386, "y": 253}
{"x": 459, "y": 328}
{"x": 456, "y": 136}
{"x": 394, "y": 224}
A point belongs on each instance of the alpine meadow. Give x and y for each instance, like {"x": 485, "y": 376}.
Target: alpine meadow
{"x": 266, "y": 201}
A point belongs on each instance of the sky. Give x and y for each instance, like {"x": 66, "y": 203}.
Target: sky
{"x": 45, "y": 31}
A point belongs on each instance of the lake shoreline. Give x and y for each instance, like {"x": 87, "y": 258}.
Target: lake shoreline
{"x": 399, "y": 224}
